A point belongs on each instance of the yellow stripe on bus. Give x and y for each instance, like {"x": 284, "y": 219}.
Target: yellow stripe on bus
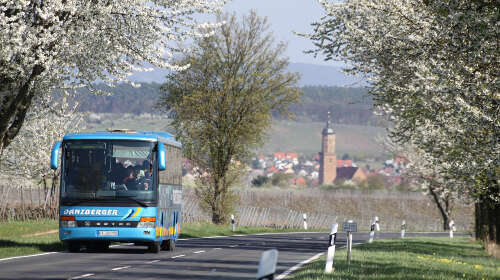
{"x": 136, "y": 213}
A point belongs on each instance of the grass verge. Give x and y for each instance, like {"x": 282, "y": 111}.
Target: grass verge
{"x": 207, "y": 229}
{"x": 16, "y": 238}
{"x": 409, "y": 258}
{"x": 33, "y": 237}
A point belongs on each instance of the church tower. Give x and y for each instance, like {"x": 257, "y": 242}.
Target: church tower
{"x": 328, "y": 161}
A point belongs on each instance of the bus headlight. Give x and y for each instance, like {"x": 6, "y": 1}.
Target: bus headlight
{"x": 68, "y": 221}
{"x": 147, "y": 222}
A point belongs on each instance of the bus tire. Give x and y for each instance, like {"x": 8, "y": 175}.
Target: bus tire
{"x": 73, "y": 246}
{"x": 154, "y": 247}
{"x": 168, "y": 245}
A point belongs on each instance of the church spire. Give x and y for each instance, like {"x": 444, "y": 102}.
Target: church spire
{"x": 328, "y": 121}
{"x": 328, "y": 128}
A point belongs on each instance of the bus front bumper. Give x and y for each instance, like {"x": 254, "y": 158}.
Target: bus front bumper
{"x": 107, "y": 234}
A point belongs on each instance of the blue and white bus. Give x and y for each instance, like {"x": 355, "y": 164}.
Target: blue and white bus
{"x": 119, "y": 186}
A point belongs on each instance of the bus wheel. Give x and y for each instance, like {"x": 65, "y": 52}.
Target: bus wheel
{"x": 103, "y": 246}
{"x": 154, "y": 247}
{"x": 73, "y": 246}
{"x": 168, "y": 245}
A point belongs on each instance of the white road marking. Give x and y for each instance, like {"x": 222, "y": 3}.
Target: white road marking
{"x": 155, "y": 261}
{"x": 232, "y": 246}
{"x": 297, "y": 232}
{"x": 83, "y": 276}
{"x": 198, "y": 252}
{"x": 251, "y": 234}
{"x": 179, "y": 256}
{"x": 120, "y": 268}
{"x": 28, "y": 256}
{"x": 217, "y": 248}
{"x": 297, "y": 266}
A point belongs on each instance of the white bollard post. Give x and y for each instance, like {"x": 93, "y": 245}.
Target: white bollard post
{"x": 349, "y": 247}
{"x": 331, "y": 249}
{"x": 372, "y": 232}
{"x": 403, "y": 229}
{"x": 305, "y": 221}
{"x": 349, "y": 244}
{"x": 232, "y": 222}
{"x": 452, "y": 228}
{"x": 377, "y": 224}
{"x": 267, "y": 265}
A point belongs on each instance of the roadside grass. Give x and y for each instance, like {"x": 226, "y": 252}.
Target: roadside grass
{"x": 193, "y": 230}
{"x": 16, "y": 238}
{"x": 409, "y": 258}
{"x": 34, "y": 237}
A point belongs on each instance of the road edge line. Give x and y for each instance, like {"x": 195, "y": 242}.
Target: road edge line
{"x": 28, "y": 256}
{"x": 297, "y": 266}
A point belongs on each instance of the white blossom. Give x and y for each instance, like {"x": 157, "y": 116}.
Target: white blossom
{"x": 433, "y": 69}
{"x": 47, "y": 44}
{"x": 47, "y": 122}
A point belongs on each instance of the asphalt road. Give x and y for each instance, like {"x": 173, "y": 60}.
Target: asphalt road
{"x": 234, "y": 257}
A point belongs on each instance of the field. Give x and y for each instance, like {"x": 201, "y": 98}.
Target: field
{"x": 284, "y": 136}
{"x": 305, "y": 138}
{"x": 409, "y": 258}
{"x": 281, "y": 208}
{"x": 391, "y": 207}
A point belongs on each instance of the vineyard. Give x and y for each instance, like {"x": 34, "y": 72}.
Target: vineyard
{"x": 277, "y": 208}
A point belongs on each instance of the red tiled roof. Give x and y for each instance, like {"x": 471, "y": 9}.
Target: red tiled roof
{"x": 342, "y": 163}
{"x": 291, "y": 155}
{"x": 288, "y": 156}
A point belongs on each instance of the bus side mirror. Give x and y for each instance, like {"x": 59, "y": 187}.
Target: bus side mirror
{"x": 54, "y": 156}
{"x": 162, "y": 165}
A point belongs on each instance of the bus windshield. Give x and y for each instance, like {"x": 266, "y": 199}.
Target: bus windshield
{"x": 116, "y": 170}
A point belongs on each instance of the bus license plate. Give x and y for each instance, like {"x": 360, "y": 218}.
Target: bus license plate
{"x": 108, "y": 233}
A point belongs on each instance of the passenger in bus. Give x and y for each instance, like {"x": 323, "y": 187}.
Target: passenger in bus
{"x": 148, "y": 169}
{"x": 130, "y": 175}
{"x": 145, "y": 174}
{"x": 119, "y": 172}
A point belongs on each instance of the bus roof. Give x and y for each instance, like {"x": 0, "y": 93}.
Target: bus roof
{"x": 151, "y": 136}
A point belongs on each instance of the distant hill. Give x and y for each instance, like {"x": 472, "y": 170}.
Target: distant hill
{"x": 347, "y": 105}
{"x": 311, "y": 75}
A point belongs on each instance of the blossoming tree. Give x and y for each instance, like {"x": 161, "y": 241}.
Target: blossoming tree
{"x": 433, "y": 68}
{"x": 28, "y": 156}
{"x": 65, "y": 44}
{"x": 432, "y": 179}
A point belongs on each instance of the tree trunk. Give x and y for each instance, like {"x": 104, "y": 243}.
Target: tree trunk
{"x": 13, "y": 110}
{"x": 445, "y": 211}
{"x": 488, "y": 225}
{"x": 219, "y": 208}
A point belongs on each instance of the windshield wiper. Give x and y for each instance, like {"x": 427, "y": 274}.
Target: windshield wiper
{"x": 80, "y": 201}
{"x": 134, "y": 200}
{"x": 105, "y": 198}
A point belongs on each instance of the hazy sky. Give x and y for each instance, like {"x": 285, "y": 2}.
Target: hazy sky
{"x": 285, "y": 17}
